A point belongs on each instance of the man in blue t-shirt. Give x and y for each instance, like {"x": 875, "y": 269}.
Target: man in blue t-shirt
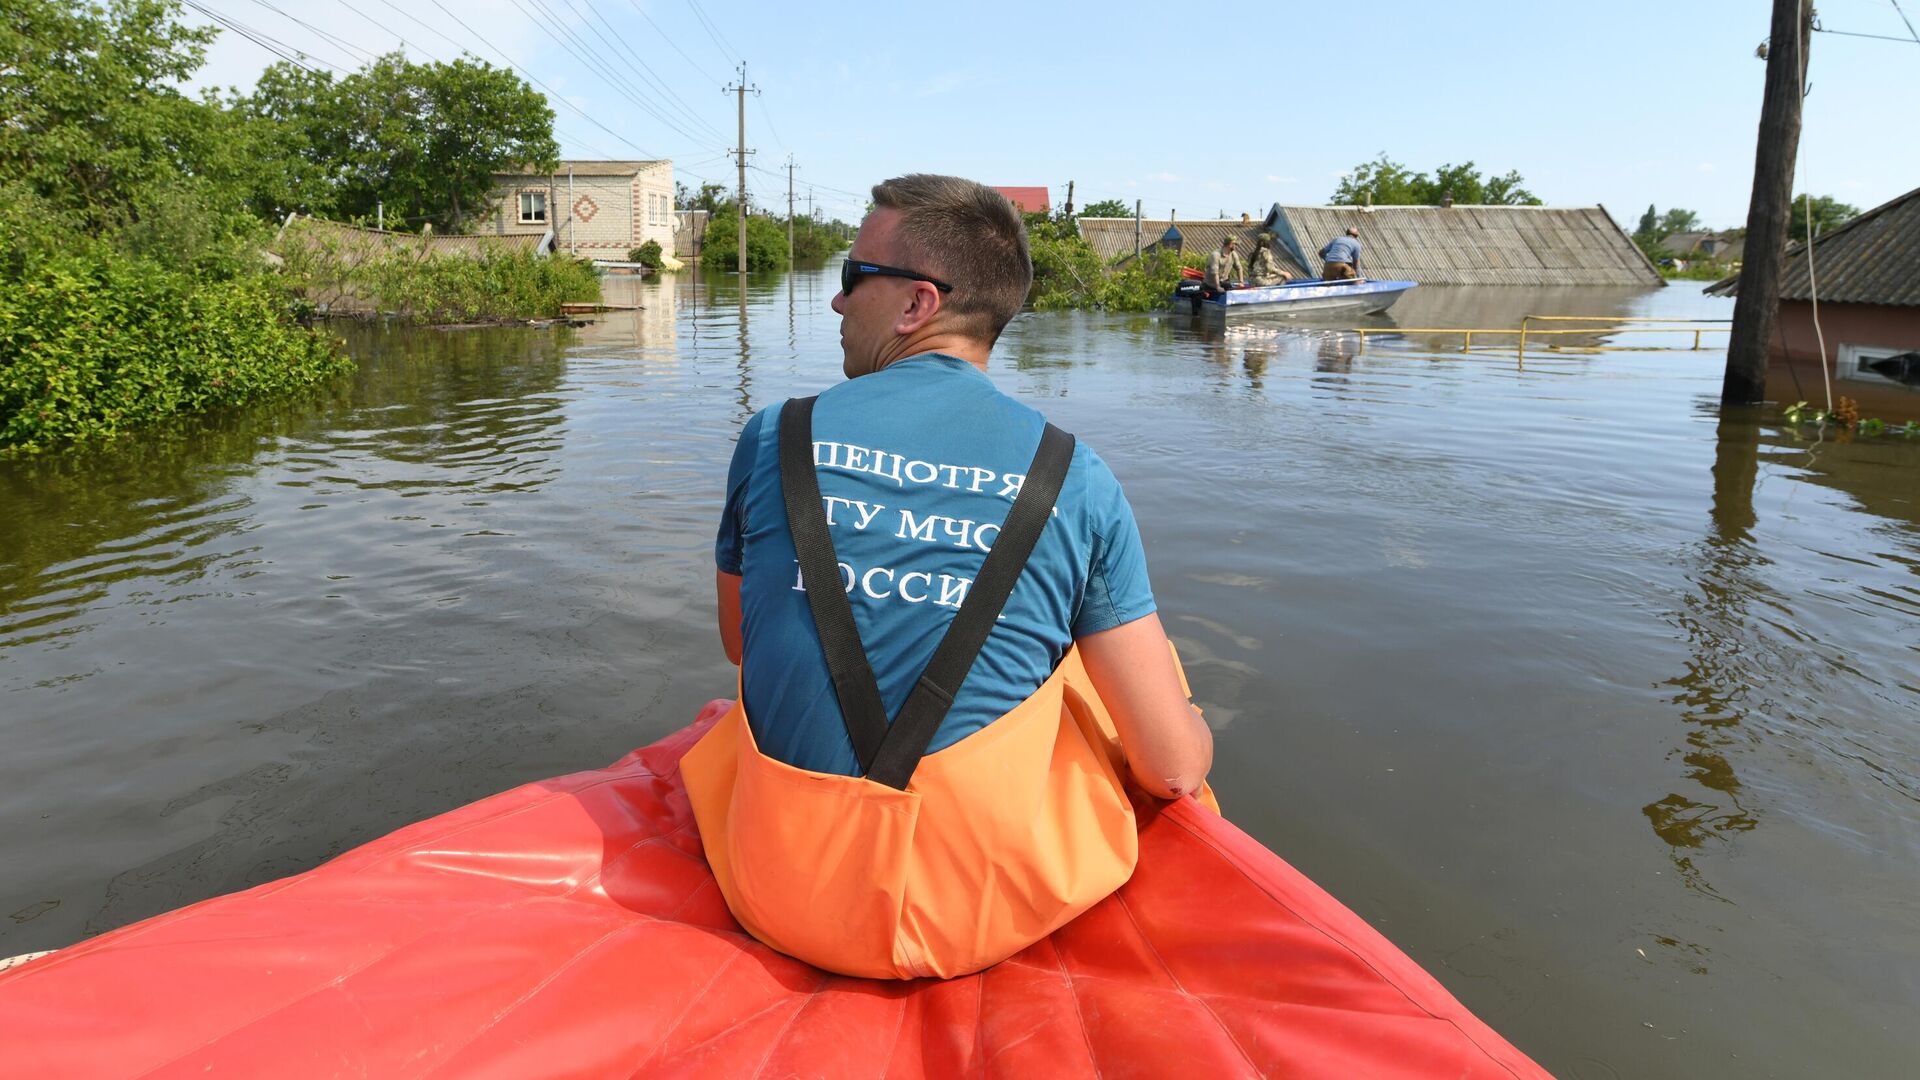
{"x": 919, "y": 457}
{"x": 1341, "y": 257}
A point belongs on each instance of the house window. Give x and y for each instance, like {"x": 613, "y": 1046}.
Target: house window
{"x": 1880, "y": 364}
{"x": 533, "y": 208}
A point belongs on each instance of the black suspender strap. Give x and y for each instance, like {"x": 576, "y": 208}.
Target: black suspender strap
{"x": 853, "y": 681}
{"x": 933, "y": 695}
{"x": 889, "y": 754}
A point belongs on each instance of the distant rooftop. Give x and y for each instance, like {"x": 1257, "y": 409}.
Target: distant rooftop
{"x": 1029, "y": 200}
{"x": 589, "y": 168}
{"x": 1456, "y": 245}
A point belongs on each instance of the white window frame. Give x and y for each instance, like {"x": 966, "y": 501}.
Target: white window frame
{"x": 1855, "y": 358}
{"x": 531, "y": 214}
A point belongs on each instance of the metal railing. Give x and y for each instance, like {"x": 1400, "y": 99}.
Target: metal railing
{"x": 1525, "y": 331}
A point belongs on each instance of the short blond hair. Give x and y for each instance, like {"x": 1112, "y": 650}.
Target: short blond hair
{"x": 969, "y": 236}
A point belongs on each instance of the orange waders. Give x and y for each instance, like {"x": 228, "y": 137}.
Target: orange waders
{"x": 938, "y": 864}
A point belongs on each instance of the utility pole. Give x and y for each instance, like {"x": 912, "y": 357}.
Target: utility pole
{"x": 790, "y": 168}
{"x": 1069, "y": 200}
{"x": 741, "y": 89}
{"x": 1758, "y": 304}
{"x": 1136, "y": 228}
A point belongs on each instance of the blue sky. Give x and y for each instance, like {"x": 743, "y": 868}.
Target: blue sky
{"x": 1199, "y": 109}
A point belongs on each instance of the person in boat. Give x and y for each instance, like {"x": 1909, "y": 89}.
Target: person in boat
{"x": 899, "y": 488}
{"x": 1264, "y": 269}
{"x": 1340, "y": 259}
{"x": 1224, "y": 268}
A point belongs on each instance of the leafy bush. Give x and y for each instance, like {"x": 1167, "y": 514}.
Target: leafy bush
{"x": 647, "y": 255}
{"x": 1067, "y": 273}
{"x": 348, "y": 271}
{"x": 96, "y": 341}
{"x": 766, "y": 242}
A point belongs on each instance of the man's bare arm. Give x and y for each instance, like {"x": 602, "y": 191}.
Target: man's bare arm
{"x": 727, "y": 588}
{"x": 1167, "y": 744}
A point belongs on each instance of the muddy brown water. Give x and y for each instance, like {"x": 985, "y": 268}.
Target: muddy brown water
{"x": 1604, "y": 707}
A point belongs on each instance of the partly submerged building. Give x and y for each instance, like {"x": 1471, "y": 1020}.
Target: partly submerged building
{"x": 1433, "y": 245}
{"x": 595, "y": 209}
{"x": 1866, "y": 274}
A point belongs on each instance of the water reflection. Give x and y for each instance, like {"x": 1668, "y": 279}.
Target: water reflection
{"x": 1713, "y": 691}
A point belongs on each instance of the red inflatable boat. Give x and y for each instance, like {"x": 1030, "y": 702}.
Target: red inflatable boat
{"x": 570, "y": 928}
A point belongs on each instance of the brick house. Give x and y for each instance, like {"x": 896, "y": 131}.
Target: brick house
{"x": 595, "y": 209}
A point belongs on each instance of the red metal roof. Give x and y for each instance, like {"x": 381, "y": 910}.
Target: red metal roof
{"x": 1030, "y": 200}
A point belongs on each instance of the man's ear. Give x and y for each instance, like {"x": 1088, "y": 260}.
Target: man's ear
{"x": 922, "y": 307}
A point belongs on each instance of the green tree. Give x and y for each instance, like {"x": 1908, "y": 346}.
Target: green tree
{"x": 1385, "y": 182}
{"x": 91, "y": 121}
{"x": 1649, "y": 224}
{"x": 1107, "y": 208}
{"x": 424, "y": 139}
{"x": 1677, "y": 220}
{"x": 766, "y": 241}
{"x": 1828, "y": 213}
{"x": 1381, "y": 182}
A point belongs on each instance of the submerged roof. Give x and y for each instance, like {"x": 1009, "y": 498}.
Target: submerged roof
{"x": 1455, "y": 245}
{"x": 1873, "y": 259}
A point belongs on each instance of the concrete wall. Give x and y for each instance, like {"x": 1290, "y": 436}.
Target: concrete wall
{"x": 610, "y": 215}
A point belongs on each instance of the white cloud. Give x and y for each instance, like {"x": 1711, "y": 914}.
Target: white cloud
{"x": 1165, "y": 178}
{"x": 1705, "y": 166}
{"x": 1272, "y": 179}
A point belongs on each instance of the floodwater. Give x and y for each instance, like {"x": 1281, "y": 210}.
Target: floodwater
{"x": 1603, "y": 707}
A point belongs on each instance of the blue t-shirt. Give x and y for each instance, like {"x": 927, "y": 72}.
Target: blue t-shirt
{"x": 1342, "y": 249}
{"x": 918, "y": 464}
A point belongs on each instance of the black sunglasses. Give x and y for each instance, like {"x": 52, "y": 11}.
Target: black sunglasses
{"x": 851, "y": 272}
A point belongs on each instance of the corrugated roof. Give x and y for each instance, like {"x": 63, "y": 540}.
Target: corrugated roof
{"x": 590, "y": 168}
{"x": 1457, "y": 245}
{"x": 353, "y": 240}
{"x": 1873, "y": 259}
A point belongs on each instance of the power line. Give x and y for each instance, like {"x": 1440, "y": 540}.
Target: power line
{"x": 550, "y": 91}
{"x": 647, "y": 74}
{"x": 1909, "y": 22}
{"x": 704, "y": 73}
{"x": 273, "y": 45}
{"x": 1876, "y": 37}
{"x": 337, "y": 42}
{"x": 726, "y": 51}
{"x": 596, "y": 64}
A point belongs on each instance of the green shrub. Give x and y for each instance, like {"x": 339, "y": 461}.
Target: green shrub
{"x": 348, "y": 271}
{"x": 97, "y": 341}
{"x": 647, "y": 255}
{"x": 1067, "y": 273}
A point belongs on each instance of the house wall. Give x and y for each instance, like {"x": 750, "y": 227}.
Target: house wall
{"x": 1793, "y": 370}
{"x": 610, "y": 215}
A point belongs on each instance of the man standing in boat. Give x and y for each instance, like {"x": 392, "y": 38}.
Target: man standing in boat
{"x": 1224, "y": 268}
{"x": 1341, "y": 257}
{"x": 1265, "y": 269}
{"x": 867, "y": 533}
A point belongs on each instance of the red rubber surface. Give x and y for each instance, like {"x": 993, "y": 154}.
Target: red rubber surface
{"x": 570, "y": 928}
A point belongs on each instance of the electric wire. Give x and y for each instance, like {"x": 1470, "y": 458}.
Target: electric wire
{"x": 342, "y": 44}
{"x": 1876, "y": 37}
{"x": 1909, "y": 22}
{"x": 726, "y": 51}
{"x": 595, "y": 64}
{"x": 273, "y": 45}
{"x": 664, "y": 36}
{"x": 647, "y": 74}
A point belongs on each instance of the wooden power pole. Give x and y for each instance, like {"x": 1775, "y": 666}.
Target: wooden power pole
{"x": 1069, "y": 200}
{"x": 741, "y": 89}
{"x": 1769, "y": 211}
{"x": 790, "y": 168}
